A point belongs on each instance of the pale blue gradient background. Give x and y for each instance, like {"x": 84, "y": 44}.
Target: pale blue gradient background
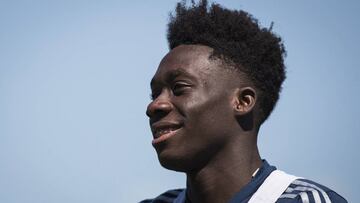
{"x": 74, "y": 85}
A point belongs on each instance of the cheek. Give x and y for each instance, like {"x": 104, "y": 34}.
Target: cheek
{"x": 203, "y": 135}
{"x": 210, "y": 117}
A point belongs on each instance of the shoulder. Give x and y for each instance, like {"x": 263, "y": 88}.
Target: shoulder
{"x": 303, "y": 190}
{"x": 166, "y": 197}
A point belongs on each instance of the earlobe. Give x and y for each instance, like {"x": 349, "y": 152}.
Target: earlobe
{"x": 244, "y": 101}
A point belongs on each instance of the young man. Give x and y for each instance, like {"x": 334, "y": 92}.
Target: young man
{"x": 211, "y": 93}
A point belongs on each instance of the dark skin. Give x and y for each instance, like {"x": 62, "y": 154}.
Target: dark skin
{"x": 202, "y": 119}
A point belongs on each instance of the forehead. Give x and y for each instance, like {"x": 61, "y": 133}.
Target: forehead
{"x": 187, "y": 60}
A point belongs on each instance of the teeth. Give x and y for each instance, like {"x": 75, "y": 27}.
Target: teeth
{"x": 163, "y": 131}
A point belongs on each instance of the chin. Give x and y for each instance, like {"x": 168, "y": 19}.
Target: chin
{"x": 175, "y": 163}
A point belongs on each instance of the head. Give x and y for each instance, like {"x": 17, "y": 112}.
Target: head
{"x": 220, "y": 81}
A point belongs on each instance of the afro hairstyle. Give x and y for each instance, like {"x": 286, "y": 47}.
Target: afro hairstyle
{"x": 235, "y": 36}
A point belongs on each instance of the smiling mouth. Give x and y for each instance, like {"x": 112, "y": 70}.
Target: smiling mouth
{"x": 164, "y": 132}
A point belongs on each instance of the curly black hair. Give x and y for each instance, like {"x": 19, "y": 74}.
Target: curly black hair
{"x": 237, "y": 37}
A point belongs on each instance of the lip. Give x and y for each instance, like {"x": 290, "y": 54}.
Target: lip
{"x": 164, "y": 130}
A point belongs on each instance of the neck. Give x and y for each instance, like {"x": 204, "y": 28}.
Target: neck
{"x": 226, "y": 174}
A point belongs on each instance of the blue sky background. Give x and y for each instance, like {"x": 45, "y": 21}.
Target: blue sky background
{"x": 74, "y": 85}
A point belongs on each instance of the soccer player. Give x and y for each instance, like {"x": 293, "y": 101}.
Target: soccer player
{"x": 210, "y": 95}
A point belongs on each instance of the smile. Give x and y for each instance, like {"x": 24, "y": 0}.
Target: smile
{"x": 164, "y": 132}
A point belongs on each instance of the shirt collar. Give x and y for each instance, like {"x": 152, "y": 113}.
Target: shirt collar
{"x": 249, "y": 189}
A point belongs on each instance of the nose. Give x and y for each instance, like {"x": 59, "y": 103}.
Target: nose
{"x": 159, "y": 108}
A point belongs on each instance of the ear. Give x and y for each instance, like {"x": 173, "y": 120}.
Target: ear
{"x": 244, "y": 101}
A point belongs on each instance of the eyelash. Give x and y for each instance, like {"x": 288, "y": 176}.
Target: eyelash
{"x": 178, "y": 87}
{"x": 152, "y": 96}
{"x": 177, "y": 90}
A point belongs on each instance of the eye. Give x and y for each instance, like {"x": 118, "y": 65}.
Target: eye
{"x": 179, "y": 88}
{"x": 153, "y": 96}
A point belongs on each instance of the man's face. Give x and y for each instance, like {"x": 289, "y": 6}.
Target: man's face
{"x": 191, "y": 115}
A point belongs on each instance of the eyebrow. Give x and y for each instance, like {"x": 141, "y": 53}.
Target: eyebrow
{"x": 172, "y": 75}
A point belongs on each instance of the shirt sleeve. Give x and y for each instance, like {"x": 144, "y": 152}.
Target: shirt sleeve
{"x": 313, "y": 197}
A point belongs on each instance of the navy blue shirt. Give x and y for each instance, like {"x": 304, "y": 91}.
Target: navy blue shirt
{"x": 299, "y": 191}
